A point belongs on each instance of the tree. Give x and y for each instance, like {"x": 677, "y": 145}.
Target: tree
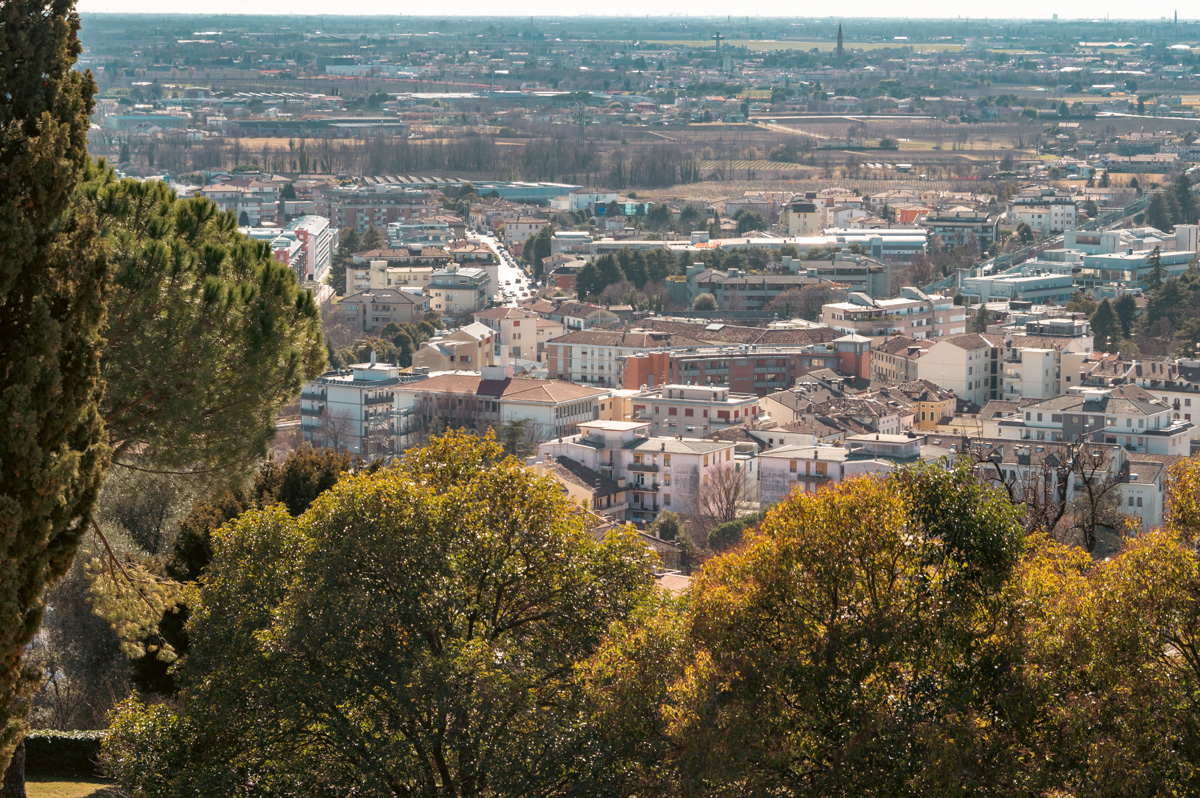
{"x": 1157, "y": 273}
{"x": 1106, "y": 327}
{"x": 1158, "y": 215}
{"x": 830, "y": 654}
{"x": 372, "y": 239}
{"x": 243, "y": 219}
{"x": 749, "y": 220}
{"x": 348, "y": 243}
{"x": 1025, "y": 233}
{"x": 1127, "y": 310}
{"x": 1184, "y": 199}
{"x": 53, "y": 283}
{"x": 537, "y": 249}
{"x": 723, "y": 496}
{"x": 408, "y": 635}
{"x": 706, "y": 302}
{"x": 288, "y": 192}
{"x": 207, "y": 334}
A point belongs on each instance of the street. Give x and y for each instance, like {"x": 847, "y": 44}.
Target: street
{"x": 514, "y": 282}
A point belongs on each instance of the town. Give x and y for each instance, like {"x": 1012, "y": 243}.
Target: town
{"x": 648, "y": 405}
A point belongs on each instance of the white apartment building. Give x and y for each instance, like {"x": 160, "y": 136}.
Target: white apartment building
{"x": 377, "y": 274}
{"x": 352, "y": 410}
{"x": 1046, "y": 210}
{"x": 1126, "y": 416}
{"x": 582, "y": 199}
{"x": 456, "y": 290}
{"x": 516, "y": 231}
{"x": 661, "y": 473}
{"x": 913, "y": 313}
{"x": 598, "y": 356}
{"x": 317, "y": 242}
{"x": 981, "y": 367}
{"x": 694, "y": 409}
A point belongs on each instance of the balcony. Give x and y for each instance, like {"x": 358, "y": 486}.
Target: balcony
{"x": 378, "y": 400}
{"x": 313, "y": 396}
{"x": 312, "y": 411}
{"x": 649, "y": 468}
{"x": 644, "y": 487}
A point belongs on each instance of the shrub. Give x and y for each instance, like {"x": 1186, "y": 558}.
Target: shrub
{"x": 52, "y": 751}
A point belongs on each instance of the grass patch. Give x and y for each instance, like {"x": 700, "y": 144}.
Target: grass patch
{"x": 39, "y": 786}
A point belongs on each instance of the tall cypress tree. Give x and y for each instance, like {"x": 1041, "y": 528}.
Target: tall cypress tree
{"x": 52, "y": 291}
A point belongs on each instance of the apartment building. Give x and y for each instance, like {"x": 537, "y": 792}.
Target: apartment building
{"x": 961, "y": 226}
{"x": 807, "y": 469}
{"x": 353, "y": 410}
{"x": 492, "y": 397}
{"x": 894, "y": 359}
{"x": 525, "y": 333}
{"x": 379, "y": 206}
{"x": 516, "y": 231}
{"x": 469, "y": 348}
{"x": 317, "y": 242}
{"x": 1125, "y": 415}
{"x": 457, "y": 290}
{"x": 913, "y": 313}
{"x": 1046, "y": 210}
{"x": 661, "y": 472}
{"x": 373, "y": 309}
{"x": 1175, "y": 382}
{"x": 694, "y": 409}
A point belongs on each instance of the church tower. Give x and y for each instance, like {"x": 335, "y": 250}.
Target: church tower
{"x": 841, "y": 53}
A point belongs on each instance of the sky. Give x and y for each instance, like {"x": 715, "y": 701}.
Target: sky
{"x": 1018, "y": 9}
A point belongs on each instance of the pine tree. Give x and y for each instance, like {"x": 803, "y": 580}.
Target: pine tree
{"x": 372, "y": 239}
{"x": 1157, "y": 272}
{"x": 1106, "y": 327}
{"x": 1126, "y": 309}
{"x": 1158, "y": 214}
{"x": 348, "y": 243}
{"x": 1185, "y": 200}
{"x": 52, "y": 290}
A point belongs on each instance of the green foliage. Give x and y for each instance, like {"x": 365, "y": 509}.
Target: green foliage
{"x": 52, "y": 751}
{"x": 537, "y": 249}
{"x": 324, "y": 645}
{"x": 53, "y": 283}
{"x": 207, "y": 334}
{"x": 729, "y": 534}
{"x": 1127, "y": 311}
{"x": 372, "y": 239}
{"x": 348, "y": 243}
{"x": 1106, "y": 327}
{"x": 749, "y": 220}
{"x": 704, "y": 302}
{"x": 668, "y": 526}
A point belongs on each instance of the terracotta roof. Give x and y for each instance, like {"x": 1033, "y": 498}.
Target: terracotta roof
{"x": 514, "y": 388}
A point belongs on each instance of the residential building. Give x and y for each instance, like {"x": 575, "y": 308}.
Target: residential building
{"x": 1125, "y": 415}
{"x": 518, "y": 230}
{"x": 469, "y": 348}
{"x": 604, "y": 496}
{"x": 524, "y": 333}
{"x": 662, "y": 473}
{"x": 1046, "y": 210}
{"x": 457, "y": 291}
{"x": 913, "y": 313}
{"x": 894, "y": 359}
{"x": 374, "y": 309}
{"x": 317, "y": 242}
{"x": 377, "y": 274}
{"x": 380, "y": 205}
{"x": 802, "y": 217}
{"x": 961, "y": 226}
{"x": 586, "y": 198}
{"x": 493, "y": 397}
{"x": 807, "y": 469}
{"x": 693, "y": 410}
{"x": 353, "y": 410}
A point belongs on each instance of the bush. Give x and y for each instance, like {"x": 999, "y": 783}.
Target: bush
{"x": 52, "y": 751}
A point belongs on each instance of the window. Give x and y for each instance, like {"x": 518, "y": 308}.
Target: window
{"x": 706, "y": 459}
{"x": 1139, "y": 501}
{"x": 666, "y": 459}
{"x": 667, "y": 499}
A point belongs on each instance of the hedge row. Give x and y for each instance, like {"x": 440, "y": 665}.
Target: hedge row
{"x": 50, "y": 751}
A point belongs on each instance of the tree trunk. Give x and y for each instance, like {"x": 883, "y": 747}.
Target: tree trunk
{"x": 14, "y": 777}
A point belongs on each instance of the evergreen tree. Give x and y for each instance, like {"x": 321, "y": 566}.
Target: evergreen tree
{"x": 1157, "y": 273}
{"x": 372, "y": 239}
{"x": 1106, "y": 327}
{"x": 348, "y": 243}
{"x": 1184, "y": 199}
{"x": 1158, "y": 214}
{"x": 1126, "y": 309}
{"x": 53, "y": 282}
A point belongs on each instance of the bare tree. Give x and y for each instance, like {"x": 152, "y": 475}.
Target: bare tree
{"x": 723, "y": 496}
{"x": 1071, "y": 490}
{"x": 335, "y": 430}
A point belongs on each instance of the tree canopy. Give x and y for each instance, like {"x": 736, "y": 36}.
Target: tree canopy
{"x": 207, "y": 334}
{"x": 406, "y": 635}
{"x": 53, "y": 282}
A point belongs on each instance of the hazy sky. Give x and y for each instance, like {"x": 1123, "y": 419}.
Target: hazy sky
{"x": 1067, "y": 9}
